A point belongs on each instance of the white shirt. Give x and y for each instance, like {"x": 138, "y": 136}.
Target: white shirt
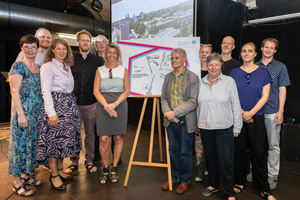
{"x": 55, "y": 78}
{"x": 219, "y": 105}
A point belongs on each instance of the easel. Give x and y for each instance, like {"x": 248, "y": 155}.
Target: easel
{"x": 150, "y": 163}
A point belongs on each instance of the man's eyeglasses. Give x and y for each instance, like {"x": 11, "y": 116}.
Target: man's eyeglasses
{"x": 87, "y": 41}
{"x": 110, "y": 74}
{"x": 99, "y": 42}
{"x": 45, "y": 37}
{"x": 248, "y": 78}
{"x": 28, "y": 47}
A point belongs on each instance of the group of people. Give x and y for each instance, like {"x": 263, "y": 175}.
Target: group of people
{"x": 233, "y": 106}
{"x": 223, "y": 112}
{"x": 53, "y": 91}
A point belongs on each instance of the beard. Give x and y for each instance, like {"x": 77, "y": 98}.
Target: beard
{"x": 84, "y": 48}
{"x": 226, "y": 52}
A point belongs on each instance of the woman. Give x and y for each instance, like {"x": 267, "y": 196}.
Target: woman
{"x": 25, "y": 85}
{"x": 220, "y": 120}
{"x": 58, "y": 124}
{"x": 205, "y": 50}
{"x": 253, "y": 83}
{"x": 111, "y": 89}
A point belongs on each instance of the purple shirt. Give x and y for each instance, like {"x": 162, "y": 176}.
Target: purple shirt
{"x": 55, "y": 78}
{"x": 250, "y": 93}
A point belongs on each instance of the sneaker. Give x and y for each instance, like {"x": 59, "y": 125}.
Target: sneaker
{"x": 249, "y": 177}
{"x": 273, "y": 183}
{"x": 200, "y": 171}
{"x": 208, "y": 192}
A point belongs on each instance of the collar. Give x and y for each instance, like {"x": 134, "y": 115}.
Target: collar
{"x": 182, "y": 72}
{"x": 271, "y": 62}
{"x": 88, "y": 55}
{"x": 220, "y": 78}
{"x": 59, "y": 64}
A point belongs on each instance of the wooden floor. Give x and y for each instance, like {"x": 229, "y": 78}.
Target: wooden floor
{"x": 144, "y": 182}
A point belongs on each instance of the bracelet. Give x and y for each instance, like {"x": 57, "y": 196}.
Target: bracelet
{"x": 116, "y": 104}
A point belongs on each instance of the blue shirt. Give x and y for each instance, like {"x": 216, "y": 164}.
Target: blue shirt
{"x": 280, "y": 78}
{"x": 250, "y": 93}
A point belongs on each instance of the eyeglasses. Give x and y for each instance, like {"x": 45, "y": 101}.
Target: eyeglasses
{"x": 110, "y": 74}
{"x": 45, "y": 37}
{"x": 28, "y": 47}
{"x": 82, "y": 40}
{"x": 99, "y": 42}
{"x": 248, "y": 78}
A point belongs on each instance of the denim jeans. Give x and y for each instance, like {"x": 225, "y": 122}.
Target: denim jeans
{"x": 181, "y": 153}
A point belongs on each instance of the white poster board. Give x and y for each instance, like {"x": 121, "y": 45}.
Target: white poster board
{"x": 148, "y": 61}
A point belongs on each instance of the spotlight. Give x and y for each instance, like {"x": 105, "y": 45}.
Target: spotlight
{"x": 97, "y": 5}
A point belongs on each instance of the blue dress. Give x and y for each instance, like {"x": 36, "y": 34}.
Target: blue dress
{"x": 22, "y": 144}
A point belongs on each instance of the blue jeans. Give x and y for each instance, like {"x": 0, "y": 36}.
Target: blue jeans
{"x": 181, "y": 153}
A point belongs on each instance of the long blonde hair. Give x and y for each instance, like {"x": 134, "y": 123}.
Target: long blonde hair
{"x": 69, "y": 59}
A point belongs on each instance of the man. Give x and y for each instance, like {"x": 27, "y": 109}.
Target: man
{"x": 100, "y": 44}
{"x": 84, "y": 69}
{"x": 227, "y": 47}
{"x": 275, "y": 106}
{"x": 45, "y": 39}
{"x": 179, "y": 103}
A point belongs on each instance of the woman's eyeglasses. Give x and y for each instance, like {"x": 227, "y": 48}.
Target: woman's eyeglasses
{"x": 110, "y": 74}
{"x": 248, "y": 78}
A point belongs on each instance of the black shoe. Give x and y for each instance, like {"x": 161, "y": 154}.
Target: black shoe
{"x": 69, "y": 177}
{"x": 61, "y": 188}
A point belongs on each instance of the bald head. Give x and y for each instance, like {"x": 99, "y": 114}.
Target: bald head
{"x": 227, "y": 45}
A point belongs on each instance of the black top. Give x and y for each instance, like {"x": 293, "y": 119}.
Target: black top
{"x": 84, "y": 75}
{"x": 229, "y": 65}
{"x": 203, "y": 73}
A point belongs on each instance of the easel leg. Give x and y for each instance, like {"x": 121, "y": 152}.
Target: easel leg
{"x": 168, "y": 161}
{"x": 135, "y": 142}
{"x": 152, "y": 131}
{"x": 159, "y": 130}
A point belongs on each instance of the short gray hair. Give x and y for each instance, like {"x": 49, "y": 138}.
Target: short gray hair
{"x": 215, "y": 56}
{"x": 98, "y": 38}
{"x": 40, "y": 29}
{"x": 180, "y": 51}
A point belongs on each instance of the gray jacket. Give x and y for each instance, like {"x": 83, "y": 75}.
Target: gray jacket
{"x": 190, "y": 91}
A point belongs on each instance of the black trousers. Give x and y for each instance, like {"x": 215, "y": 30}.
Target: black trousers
{"x": 253, "y": 134}
{"x": 219, "y": 152}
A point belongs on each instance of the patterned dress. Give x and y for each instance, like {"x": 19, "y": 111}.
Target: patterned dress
{"x": 22, "y": 144}
{"x": 65, "y": 139}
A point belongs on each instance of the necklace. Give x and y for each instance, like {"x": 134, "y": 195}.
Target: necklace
{"x": 214, "y": 80}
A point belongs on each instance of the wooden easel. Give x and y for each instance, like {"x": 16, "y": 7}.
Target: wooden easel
{"x": 156, "y": 107}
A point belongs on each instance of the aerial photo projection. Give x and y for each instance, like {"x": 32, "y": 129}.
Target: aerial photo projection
{"x": 144, "y": 19}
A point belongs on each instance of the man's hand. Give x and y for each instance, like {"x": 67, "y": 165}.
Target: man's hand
{"x": 170, "y": 115}
{"x": 279, "y": 118}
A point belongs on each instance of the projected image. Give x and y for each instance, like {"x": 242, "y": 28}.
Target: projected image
{"x": 144, "y": 19}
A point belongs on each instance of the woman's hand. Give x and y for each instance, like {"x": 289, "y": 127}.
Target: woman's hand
{"x": 22, "y": 121}
{"x": 113, "y": 114}
{"x": 54, "y": 121}
{"x": 247, "y": 117}
{"x": 109, "y": 107}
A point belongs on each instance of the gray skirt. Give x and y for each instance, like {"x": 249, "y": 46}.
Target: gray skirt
{"x": 107, "y": 125}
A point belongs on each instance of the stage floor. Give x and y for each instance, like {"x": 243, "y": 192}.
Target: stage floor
{"x": 144, "y": 182}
